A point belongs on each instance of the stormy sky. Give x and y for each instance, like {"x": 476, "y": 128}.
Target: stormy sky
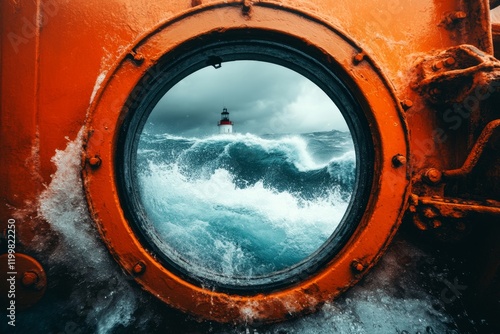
{"x": 261, "y": 98}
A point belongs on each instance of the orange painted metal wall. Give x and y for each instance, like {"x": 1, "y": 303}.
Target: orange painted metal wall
{"x": 57, "y": 54}
{"x": 54, "y": 51}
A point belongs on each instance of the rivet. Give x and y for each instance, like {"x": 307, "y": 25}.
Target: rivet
{"x": 429, "y": 213}
{"x": 449, "y": 61}
{"x": 247, "y": 7}
{"x": 398, "y": 160}
{"x": 357, "y": 266}
{"x": 95, "y": 161}
{"x": 438, "y": 65}
{"x": 406, "y": 104}
{"x": 137, "y": 58}
{"x": 436, "y": 223}
{"x": 358, "y": 58}
{"x": 435, "y": 91}
{"x": 432, "y": 176}
{"x": 419, "y": 224}
{"x": 454, "y": 17}
{"x": 458, "y": 15}
{"x": 30, "y": 279}
{"x": 139, "y": 268}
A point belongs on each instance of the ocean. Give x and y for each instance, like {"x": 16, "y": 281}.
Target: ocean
{"x": 260, "y": 204}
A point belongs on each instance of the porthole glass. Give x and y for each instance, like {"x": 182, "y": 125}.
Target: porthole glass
{"x": 243, "y": 174}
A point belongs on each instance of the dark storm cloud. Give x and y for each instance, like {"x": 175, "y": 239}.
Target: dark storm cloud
{"x": 261, "y": 98}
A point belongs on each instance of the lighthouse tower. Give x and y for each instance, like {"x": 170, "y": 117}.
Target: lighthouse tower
{"x": 225, "y": 125}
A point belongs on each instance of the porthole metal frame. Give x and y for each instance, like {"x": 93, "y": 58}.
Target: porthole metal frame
{"x": 383, "y": 210}
{"x": 231, "y": 46}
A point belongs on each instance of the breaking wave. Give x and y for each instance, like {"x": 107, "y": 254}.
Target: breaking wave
{"x": 260, "y": 204}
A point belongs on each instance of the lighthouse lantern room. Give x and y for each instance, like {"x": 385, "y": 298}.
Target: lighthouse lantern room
{"x": 225, "y": 125}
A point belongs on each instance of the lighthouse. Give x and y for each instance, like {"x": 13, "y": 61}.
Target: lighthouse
{"x": 225, "y": 125}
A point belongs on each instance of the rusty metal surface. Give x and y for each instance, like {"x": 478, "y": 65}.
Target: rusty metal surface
{"x": 476, "y": 151}
{"x": 455, "y": 74}
{"x": 495, "y": 29}
{"x": 64, "y": 64}
{"x": 456, "y": 208}
{"x": 431, "y": 212}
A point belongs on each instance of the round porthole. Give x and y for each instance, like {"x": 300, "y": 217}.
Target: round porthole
{"x": 240, "y": 207}
{"x": 273, "y": 201}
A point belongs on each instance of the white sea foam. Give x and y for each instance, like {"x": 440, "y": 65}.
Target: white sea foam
{"x": 191, "y": 215}
{"x": 294, "y": 146}
{"x": 80, "y": 250}
{"x": 97, "y": 85}
{"x": 389, "y": 300}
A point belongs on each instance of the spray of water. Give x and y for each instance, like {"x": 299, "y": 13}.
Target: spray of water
{"x": 105, "y": 299}
{"x": 100, "y": 299}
